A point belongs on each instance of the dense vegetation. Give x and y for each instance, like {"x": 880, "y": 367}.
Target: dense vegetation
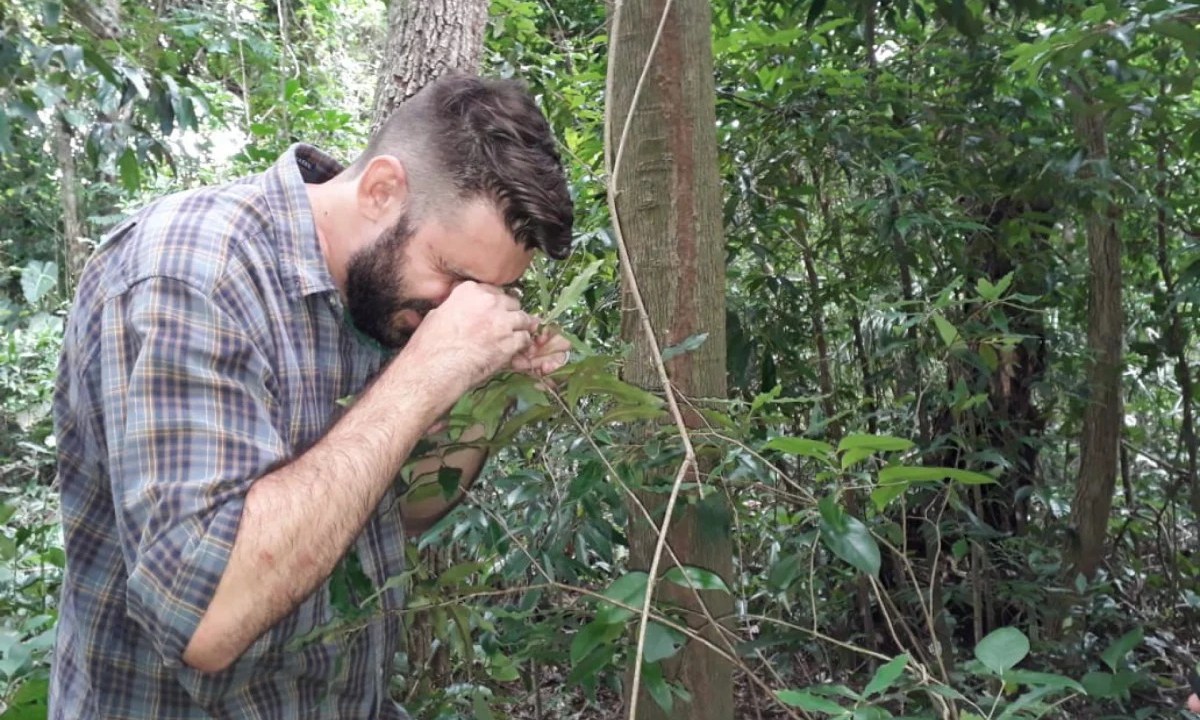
{"x": 913, "y": 197}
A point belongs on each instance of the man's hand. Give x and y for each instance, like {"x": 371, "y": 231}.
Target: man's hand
{"x": 546, "y": 353}
{"x": 471, "y": 336}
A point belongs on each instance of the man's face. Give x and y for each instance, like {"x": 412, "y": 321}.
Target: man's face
{"x": 410, "y": 270}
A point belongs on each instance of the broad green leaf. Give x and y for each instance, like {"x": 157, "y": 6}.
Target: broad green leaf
{"x": 849, "y": 538}
{"x": 801, "y": 446}
{"x": 1002, "y": 649}
{"x": 37, "y": 279}
{"x": 689, "y": 344}
{"x": 886, "y": 675}
{"x": 570, "y": 296}
{"x": 661, "y": 642}
{"x": 1116, "y": 652}
{"x": 585, "y": 669}
{"x": 1041, "y": 679}
{"x": 481, "y": 709}
{"x": 808, "y": 701}
{"x": 592, "y": 636}
{"x": 949, "y": 333}
{"x": 785, "y": 572}
{"x": 460, "y": 572}
{"x": 909, "y": 474}
{"x": 629, "y": 589}
{"x": 448, "y": 480}
{"x": 855, "y": 456}
{"x": 652, "y": 678}
{"x": 1181, "y": 31}
{"x": 131, "y": 174}
{"x": 1110, "y": 685}
{"x": 878, "y": 443}
{"x": 696, "y": 577}
{"x": 14, "y": 658}
{"x": 883, "y": 495}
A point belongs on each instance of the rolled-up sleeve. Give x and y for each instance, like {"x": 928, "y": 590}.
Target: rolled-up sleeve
{"x": 189, "y": 403}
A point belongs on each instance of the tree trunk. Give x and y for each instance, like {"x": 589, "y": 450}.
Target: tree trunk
{"x": 74, "y": 244}
{"x": 1102, "y": 415}
{"x": 425, "y": 39}
{"x": 1177, "y": 334}
{"x": 668, "y": 201}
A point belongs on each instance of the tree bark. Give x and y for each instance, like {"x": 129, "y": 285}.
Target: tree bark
{"x": 425, "y": 39}
{"x": 1102, "y": 416}
{"x": 1177, "y": 334}
{"x": 76, "y": 251}
{"x": 668, "y": 201}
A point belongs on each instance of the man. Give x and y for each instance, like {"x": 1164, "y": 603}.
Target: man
{"x": 207, "y": 492}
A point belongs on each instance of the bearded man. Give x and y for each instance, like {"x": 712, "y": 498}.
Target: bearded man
{"x": 209, "y": 484}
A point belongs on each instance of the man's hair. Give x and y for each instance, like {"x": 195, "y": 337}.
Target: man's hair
{"x": 476, "y": 137}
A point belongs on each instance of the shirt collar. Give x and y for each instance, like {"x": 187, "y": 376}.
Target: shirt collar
{"x": 291, "y": 214}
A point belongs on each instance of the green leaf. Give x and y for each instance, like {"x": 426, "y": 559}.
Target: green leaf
{"x": 1183, "y": 32}
{"x": 51, "y": 13}
{"x": 652, "y": 678}
{"x": 629, "y": 589}
{"x": 886, "y": 675}
{"x": 592, "y": 636}
{"x": 784, "y": 573}
{"x": 37, "y": 279}
{"x": 855, "y": 456}
{"x": 5, "y": 134}
{"x": 883, "y": 495}
{"x": 448, "y": 480}
{"x": 909, "y": 474}
{"x": 949, "y": 333}
{"x": 14, "y": 659}
{"x": 1116, "y": 652}
{"x": 1041, "y": 679}
{"x": 849, "y": 538}
{"x": 574, "y": 290}
{"x": 586, "y": 668}
{"x": 690, "y": 343}
{"x": 662, "y": 642}
{"x": 810, "y": 702}
{"x": 481, "y": 709}
{"x": 1002, "y": 649}
{"x": 877, "y": 443}
{"x": 696, "y": 577}
{"x": 131, "y": 175}
{"x": 801, "y": 446}
{"x": 460, "y": 572}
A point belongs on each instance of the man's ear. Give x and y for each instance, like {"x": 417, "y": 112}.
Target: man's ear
{"x": 382, "y": 188}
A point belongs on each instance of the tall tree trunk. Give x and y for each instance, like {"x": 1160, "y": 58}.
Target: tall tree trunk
{"x": 668, "y": 202}
{"x": 75, "y": 250}
{"x": 1178, "y": 337}
{"x": 425, "y": 39}
{"x": 1102, "y": 415}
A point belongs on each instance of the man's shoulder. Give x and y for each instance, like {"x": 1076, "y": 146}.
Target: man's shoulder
{"x": 201, "y": 237}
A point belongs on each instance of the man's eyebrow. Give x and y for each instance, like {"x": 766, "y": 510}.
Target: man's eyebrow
{"x": 464, "y": 275}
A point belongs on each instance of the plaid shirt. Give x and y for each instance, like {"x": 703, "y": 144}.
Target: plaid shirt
{"x": 207, "y": 344}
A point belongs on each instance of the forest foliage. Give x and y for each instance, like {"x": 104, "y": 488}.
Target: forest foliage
{"x": 912, "y": 191}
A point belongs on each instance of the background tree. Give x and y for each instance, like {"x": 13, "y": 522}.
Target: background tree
{"x": 666, "y": 198}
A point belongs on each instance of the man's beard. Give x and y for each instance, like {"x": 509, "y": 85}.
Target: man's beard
{"x": 375, "y": 288}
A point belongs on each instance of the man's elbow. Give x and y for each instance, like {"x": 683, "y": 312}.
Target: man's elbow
{"x": 206, "y": 653}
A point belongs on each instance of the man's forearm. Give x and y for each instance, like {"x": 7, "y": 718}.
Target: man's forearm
{"x": 299, "y": 520}
{"x": 421, "y": 515}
